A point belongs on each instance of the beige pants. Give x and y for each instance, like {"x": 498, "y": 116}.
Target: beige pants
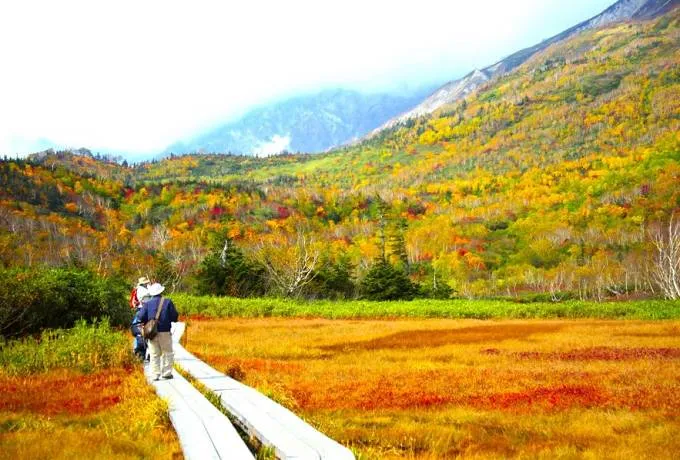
{"x": 160, "y": 349}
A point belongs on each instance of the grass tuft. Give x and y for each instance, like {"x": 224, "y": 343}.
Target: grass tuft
{"x": 86, "y": 348}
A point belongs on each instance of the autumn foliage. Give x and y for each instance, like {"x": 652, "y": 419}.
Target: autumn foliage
{"x": 546, "y": 181}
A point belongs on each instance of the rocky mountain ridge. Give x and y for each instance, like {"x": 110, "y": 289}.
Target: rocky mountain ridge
{"x": 309, "y": 123}
{"x": 623, "y": 10}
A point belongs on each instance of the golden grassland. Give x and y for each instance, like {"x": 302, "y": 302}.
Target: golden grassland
{"x": 443, "y": 388}
{"x": 66, "y": 414}
{"x": 63, "y": 398}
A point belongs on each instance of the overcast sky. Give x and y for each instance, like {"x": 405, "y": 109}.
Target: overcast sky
{"x": 135, "y": 76}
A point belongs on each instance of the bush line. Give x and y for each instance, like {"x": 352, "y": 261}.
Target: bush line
{"x": 226, "y": 307}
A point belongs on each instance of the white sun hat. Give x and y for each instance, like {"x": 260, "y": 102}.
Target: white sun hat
{"x": 142, "y": 294}
{"x": 155, "y": 289}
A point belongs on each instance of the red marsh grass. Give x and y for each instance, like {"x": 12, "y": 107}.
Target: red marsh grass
{"x": 78, "y": 393}
{"x": 478, "y": 389}
{"x": 66, "y": 414}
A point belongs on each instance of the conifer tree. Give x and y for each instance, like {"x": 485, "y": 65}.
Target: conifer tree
{"x": 335, "y": 279}
{"x": 226, "y": 271}
{"x": 397, "y": 244}
{"x": 386, "y": 282}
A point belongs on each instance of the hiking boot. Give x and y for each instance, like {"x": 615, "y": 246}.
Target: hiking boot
{"x": 157, "y": 378}
{"x": 167, "y": 377}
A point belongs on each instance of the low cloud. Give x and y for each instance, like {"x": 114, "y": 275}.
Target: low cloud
{"x": 277, "y": 145}
{"x": 138, "y": 92}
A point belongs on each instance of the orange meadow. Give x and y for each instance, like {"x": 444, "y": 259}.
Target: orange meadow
{"x": 477, "y": 389}
{"x": 111, "y": 413}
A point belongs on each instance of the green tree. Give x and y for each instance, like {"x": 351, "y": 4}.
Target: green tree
{"x": 226, "y": 271}
{"x": 334, "y": 280}
{"x": 386, "y": 282}
{"x": 432, "y": 284}
{"x": 397, "y": 244}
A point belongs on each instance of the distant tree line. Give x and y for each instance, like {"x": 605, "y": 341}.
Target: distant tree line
{"x": 227, "y": 271}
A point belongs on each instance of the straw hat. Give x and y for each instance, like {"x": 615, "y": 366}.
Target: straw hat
{"x": 143, "y": 280}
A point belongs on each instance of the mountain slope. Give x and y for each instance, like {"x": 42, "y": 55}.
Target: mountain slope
{"x": 303, "y": 124}
{"x": 623, "y": 10}
{"x": 549, "y": 179}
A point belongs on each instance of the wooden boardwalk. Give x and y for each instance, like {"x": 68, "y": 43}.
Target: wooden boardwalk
{"x": 204, "y": 432}
{"x": 270, "y": 423}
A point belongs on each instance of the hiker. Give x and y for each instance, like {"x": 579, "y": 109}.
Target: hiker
{"x": 135, "y": 299}
{"x": 160, "y": 345}
{"x": 139, "y": 344}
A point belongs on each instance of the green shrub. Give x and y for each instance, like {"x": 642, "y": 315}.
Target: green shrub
{"x": 423, "y": 308}
{"x": 84, "y": 347}
{"x": 33, "y": 300}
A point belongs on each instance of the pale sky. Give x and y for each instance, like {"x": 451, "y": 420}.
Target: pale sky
{"x": 133, "y": 77}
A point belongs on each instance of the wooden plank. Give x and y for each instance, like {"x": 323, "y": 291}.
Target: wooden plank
{"x": 195, "y": 441}
{"x": 204, "y": 432}
{"x": 272, "y": 424}
{"x": 266, "y": 429}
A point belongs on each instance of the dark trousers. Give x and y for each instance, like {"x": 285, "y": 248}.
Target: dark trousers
{"x": 139, "y": 343}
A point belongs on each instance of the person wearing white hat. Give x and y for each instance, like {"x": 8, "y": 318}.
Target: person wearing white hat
{"x": 135, "y": 299}
{"x": 139, "y": 344}
{"x": 160, "y": 346}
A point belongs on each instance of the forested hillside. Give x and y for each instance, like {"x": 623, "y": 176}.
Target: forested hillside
{"x": 554, "y": 179}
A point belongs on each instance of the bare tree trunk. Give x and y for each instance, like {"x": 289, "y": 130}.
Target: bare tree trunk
{"x": 292, "y": 275}
{"x": 223, "y": 254}
{"x": 666, "y": 268}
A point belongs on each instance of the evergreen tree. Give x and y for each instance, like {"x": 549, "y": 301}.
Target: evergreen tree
{"x": 397, "y": 244}
{"x": 54, "y": 200}
{"x": 334, "y": 280}
{"x": 386, "y": 282}
{"x": 226, "y": 271}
